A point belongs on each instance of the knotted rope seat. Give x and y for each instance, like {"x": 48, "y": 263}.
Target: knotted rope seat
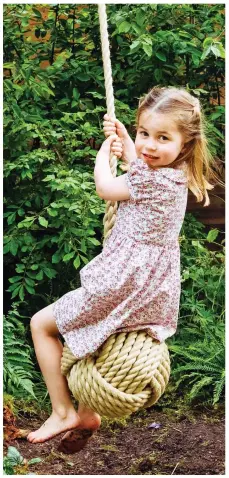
{"x": 130, "y": 370}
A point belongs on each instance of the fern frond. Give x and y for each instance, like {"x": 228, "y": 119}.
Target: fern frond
{"x": 183, "y": 353}
{"x": 198, "y": 367}
{"x": 199, "y": 386}
{"x": 18, "y": 367}
{"x": 218, "y": 389}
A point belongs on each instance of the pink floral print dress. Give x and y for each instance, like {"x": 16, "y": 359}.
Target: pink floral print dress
{"x": 134, "y": 284}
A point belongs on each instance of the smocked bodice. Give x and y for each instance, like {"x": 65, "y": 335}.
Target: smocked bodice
{"x": 156, "y": 208}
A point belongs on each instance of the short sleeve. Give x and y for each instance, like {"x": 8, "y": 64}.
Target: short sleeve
{"x": 147, "y": 183}
{"x": 139, "y": 180}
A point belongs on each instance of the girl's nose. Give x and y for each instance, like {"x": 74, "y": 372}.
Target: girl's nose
{"x": 152, "y": 145}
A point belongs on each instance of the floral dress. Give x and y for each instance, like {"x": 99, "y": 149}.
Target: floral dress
{"x": 134, "y": 284}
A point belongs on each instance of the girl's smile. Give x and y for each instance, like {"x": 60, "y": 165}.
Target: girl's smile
{"x": 148, "y": 156}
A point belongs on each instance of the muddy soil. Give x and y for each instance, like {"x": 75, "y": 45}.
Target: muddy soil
{"x": 183, "y": 443}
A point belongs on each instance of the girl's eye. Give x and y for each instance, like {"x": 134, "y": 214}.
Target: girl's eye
{"x": 164, "y": 137}
{"x": 144, "y": 133}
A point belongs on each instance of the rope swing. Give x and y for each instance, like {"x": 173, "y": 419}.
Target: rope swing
{"x": 130, "y": 370}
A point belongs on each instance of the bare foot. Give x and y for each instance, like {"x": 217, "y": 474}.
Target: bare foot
{"x": 73, "y": 441}
{"x": 89, "y": 420}
{"x": 54, "y": 426}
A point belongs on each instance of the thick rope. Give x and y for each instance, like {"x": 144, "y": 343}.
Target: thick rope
{"x": 111, "y": 206}
{"x": 128, "y": 372}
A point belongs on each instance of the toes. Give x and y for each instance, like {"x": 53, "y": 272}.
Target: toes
{"x": 40, "y": 440}
{"x": 32, "y": 439}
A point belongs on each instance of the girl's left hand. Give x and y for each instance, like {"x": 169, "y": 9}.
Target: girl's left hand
{"x": 112, "y": 144}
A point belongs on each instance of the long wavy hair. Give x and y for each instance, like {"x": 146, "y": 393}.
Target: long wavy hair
{"x": 186, "y": 111}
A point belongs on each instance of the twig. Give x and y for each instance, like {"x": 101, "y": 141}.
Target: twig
{"x": 174, "y": 428}
{"x": 175, "y": 468}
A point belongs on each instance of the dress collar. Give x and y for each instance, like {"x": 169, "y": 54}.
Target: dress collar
{"x": 177, "y": 175}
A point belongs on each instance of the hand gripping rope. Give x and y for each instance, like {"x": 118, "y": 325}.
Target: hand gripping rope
{"x": 130, "y": 370}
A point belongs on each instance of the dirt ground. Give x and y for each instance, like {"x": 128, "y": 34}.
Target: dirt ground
{"x": 178, "y": 442}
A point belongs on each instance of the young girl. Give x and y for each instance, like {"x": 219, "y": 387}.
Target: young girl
{"x": 134, "y": 283}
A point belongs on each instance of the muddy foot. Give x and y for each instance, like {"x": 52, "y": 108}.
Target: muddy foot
{"x": 74, "y": 441}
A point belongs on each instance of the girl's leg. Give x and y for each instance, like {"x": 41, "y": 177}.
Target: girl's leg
{"x": 48, "y": 350}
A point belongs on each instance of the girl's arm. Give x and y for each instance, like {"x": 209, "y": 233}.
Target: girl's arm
{"x": 107, "y": 187}
{"x": 112, "y": 126}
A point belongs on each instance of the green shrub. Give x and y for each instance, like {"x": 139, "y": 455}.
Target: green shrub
{"x": 53, "y": 119}
{"x": 198, "y": 349}
{"x": 52, "y": 131}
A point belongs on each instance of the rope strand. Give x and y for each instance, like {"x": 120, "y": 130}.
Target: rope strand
{"x": 111, "y": 206}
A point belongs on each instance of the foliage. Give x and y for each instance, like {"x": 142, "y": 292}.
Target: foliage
{"x": 198, "y": 348}
{"x": 19, "y": 375}
{"x": 15, "y": 464}
{"x": 52, "y": 120}
{"x": 54, "y": 102}
{"x": 201, "y": 363}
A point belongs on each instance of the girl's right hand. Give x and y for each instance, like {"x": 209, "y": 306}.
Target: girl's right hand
{"x": 112, "y": 145}
{"x": 114, "y": 126}
{"x": 116, "y": 147}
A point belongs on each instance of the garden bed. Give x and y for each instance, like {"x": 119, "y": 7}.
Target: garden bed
{"x": 187, "y": 442}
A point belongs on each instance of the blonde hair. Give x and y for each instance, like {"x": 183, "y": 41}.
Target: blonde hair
{"x": 191, "y": 124}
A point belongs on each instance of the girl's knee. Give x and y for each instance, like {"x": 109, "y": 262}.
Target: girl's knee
{"x": 44, "y": 321}
{"x": 36, "y": 323}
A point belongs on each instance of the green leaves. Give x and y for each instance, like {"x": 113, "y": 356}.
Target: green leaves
{"x": 147, "y": 49}
{"x": 206, "y": 356}
{"x": 212, "y": 46}
{"x": 69, "y": 256}
{"x": 218, "y": 50}
{"x": 53, "y": 129}
{"x": 43, "y": 221}
{"x": 28, "y": 278}
{"x": 14, "y": 459}
{"x": 42, "y": 230}
{"x": 18, "y": 366}
{"x": 76, "y": 262}
{"x": 124, "y": 27}
{"x": 56, "y": 258}
{"x": 37, "y": 13}
{"x": 198, "y": 349}
{"x": 212, "y": 235}
{"x": 160, "y": 55}
{"x": 94, "y": 241}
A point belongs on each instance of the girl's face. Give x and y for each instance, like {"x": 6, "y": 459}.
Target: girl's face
{"x": 158, "y": 141}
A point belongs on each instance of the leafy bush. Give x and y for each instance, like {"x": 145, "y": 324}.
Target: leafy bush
{"x": 51, "y": 221}
{"x": 200, "y": 363}
{"x": 53, "y": 115}
{"x": 198, "y": 349}
{"x": 52, "y": 131}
